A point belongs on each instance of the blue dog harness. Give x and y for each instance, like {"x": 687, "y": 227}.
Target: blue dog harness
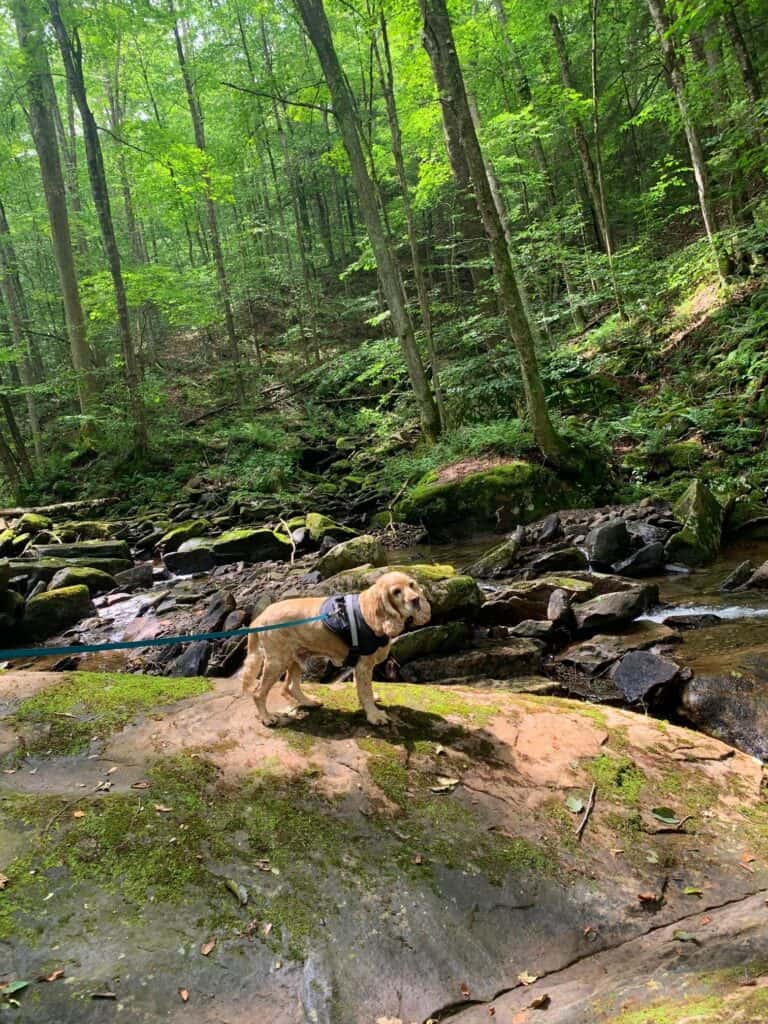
{"x": 341, "y": 614}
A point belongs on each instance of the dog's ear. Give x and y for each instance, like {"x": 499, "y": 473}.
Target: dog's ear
{"x": 387, "y": 618}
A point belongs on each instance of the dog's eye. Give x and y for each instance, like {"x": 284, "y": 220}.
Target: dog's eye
{"x": 397, "y": 591}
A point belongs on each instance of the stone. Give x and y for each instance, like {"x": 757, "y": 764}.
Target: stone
{"x": 549, "y": 529}
{"x": 561, "y": 560}
{"x": 701, "y": 515}
{"x": 139, "y": 577}
{"x": 738, "y": 578}
{"x": 33, "y": 522}
{"x": 349, "y": 554}
{"x": 450, "y": 501}
{"x": 492, "y": 659}
{"x": 98, "y": 582}
{"x": 46, "y": 568}
{"x": 608, "y": 543}
{"x": 86, "y": 550}
{"x": 539, "y": 629}
{"x": 598, "y": 653}
{"x": 616, "y": 609}
{"x": 216, "y": 611}
{"x": 245, "y": 545}
{"x": 646, "y": 533}
{"x": 320, "y": 527}
{"x": 559, "y": 608}
{"x": 646, "y": 561}
{"x": 192, "y": 557}
{"x": 733, "y": 707}
{"x": 685, "y": 622}
{"x": 759, "y": 578}
{"x": 429, "y": 640}
{"x": 50, "y": 613}
{"x": 5, "y": 573}
{"x": 640, "y": 672}
{"x": 496, "y": 560}
{"x": 193, "y": 660}
{"x": 746, "y": 519}
{"x": 529, "y": 599}
{"x": 89, "y": 529}
{"x": 175, "y": 537}
{"x": 7, "y": 546}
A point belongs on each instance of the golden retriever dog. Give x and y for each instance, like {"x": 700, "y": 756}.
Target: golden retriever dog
{"x": 380, "y": 612}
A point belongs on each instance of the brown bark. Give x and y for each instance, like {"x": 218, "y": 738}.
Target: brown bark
{"x": 319, "y": 31}
{"x": 752, "y": 84}
{"x": 439, "y": 44}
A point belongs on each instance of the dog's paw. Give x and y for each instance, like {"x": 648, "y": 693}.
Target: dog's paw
{"x": 270, "y": 721}
{"x": 310, "y": 702}
{"x": 378, "y": 718}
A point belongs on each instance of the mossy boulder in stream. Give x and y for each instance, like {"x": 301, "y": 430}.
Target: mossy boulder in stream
{"x": 56, "y": 610}
{"x": 448, "y": 502}
{"x": 702, "y": 517}
{"x": 246, "y": 545}
{"x": 33, "y": 522}
{"x": 365, "y": 550}
{"x": 320, "y": 527}
{"x": 175, "y": 537}
{"x": 97, "y": 581}
{"x": 86, "y": 550}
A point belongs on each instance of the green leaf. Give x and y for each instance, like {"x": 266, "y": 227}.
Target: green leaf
{"x": 666, "y": 814}
{"x": 691, "y": 890}
{"x": 574, "y": 804}
{"x": 682, "y": 936}
{"x": 14, "y": 986}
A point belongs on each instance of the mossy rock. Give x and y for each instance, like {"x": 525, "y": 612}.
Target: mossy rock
{"x": 497, "y": 560}
{"x": 175, "y": 537}
{"x": 246, "y": 545}
{"x": 97, "y": 581}
{"x": 88, "y": 529}
{"x": 5, "y": 573}
{"x": 746, "y": 518}
{"x": 320, "y": 527}
{"x": 365, "y": 550}
{"x": 702, "y": 517}
{"x": 57, "y": 610}
{"x": 86, "y": 549}
{"x": 32, "y": 522}
{"x": 7, "y": 538}
{"x": 420, "y": 643}
{"x": 684, "y": 455}
{"x": 495, "y": 498}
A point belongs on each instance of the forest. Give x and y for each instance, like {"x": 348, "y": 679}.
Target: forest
{"x": 565, "y": 207}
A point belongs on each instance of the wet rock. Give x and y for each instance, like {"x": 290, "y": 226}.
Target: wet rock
{"x": 738, "y": 577}
{"x": 302, "y": 538}
{"x": 529, "y": 599}
{"x": 616, "y": 609}
{"x": 260, "y": 545}
{"x": 419, "y": 643}
{"x": 561, "y": 560}
{"x": 98, "y": 582}
{"x": 193, "y": 556}
{"x": 497, "y": 560}
{"x": 559, "y": 608}
{"x": 732, "y": 707}
{"x": 85, "y": 551}
{"x": 543, "y": 631}
{"x": 646, "y": 533}
{"x": 494, "y": 659}
{"x": 321, "y": 527}
{"x": 608, "y": 543}
{"x": 686, "y": 622}
{"x": 746, "y": 518}
{"x": 601, "y": 651}
{"x": 698, "y": 542}
{"x": 33, "y": 522}
{"x": 138, "y": 578}
{"x": 216, "y": 611}
{"x": 639, "y": 673}
{"x": 549, "y": 529}
{"x": 175, "y": 537}
{"x": 50, "y": 613}
{"x": 350, "y": 554}
{"x": 646, "y": 561}
{"x": 193, "y": 660}
{"x": 759, "y": 578}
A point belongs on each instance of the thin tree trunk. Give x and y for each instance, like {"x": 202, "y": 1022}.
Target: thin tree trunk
{"x": 439, "y": 43}
{"x": 319, "y": 31}
{"x": 72, "y": 56}
{"x": 752, "y": 84}
{"x": 20, "y": 453}
{"x": 38, "y": 82}
{"x": 388, "y": 88}
{"x": 210, "y": 209}
{"x": 10, "y": 468}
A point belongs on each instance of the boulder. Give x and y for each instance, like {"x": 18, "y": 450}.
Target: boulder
{"x": 33, "y": 522}
{"x": 7, "y": 546}
{"x": 686, "y": 622}
{"x": 542, "y": 630}
{"x": 559, "y": 608}
{"x": 759, "y": 578}
{"x": 593, "y": 656}
{"x": 350, "y": 554}
{"x": 746, "y": 519}
{"x": 451, "y": 596}
{"x": 193, "y": 556}
{"x": 639, "y": 673}
{"x": 420, "y": 643}
{"x": 56, "y": 610}
{"x": 85, "y": 551}
{"x": 5, "y": 573}
{"x": 320, "y": 527}
{"x": 698, "y": 542}
{"x": 644, "y": 532}
{"x": 608, "y": 543}
{"x": 549, "y": 529}
{"x": 451, "y": 501}
{"x": 736, "y": 579}
{"x": 11, "y": 612}
{"x": 565, "y": 559}
{"x": 216, "y": 611}
{"x": 139, "y": 577}
{"x": 89, "y": 529}
{"x": 616, "y": 609}
{"x": 44, "y": 569}
{"x": 529, "y": 599}
{"x": 733, "y": 707}
{"x": 246, "y": 545}
{"x": 496, "y": 560}
{"x": 192, "y": 661}
{"x": 491, "y": 659}
{"x": 97, "y": 581}
{"x": 175, "y": 537}
{"x": 646, "y": 561}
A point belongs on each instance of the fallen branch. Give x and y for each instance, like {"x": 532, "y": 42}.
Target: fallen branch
{"x": 590, "y": 806}
{"x": 62, "y": 506}
{"x": 289, "y": 535}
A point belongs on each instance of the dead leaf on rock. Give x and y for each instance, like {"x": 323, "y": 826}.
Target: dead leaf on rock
{"x": 237, "y": 890}
{"x": 526, "y": 978}
{"x": 683, "y": 936}
{"x": 464, "y": 989}
{"x": 491, "y": 1011}
{"x": 162, "y": 809}
{"x": 266, "y": 929}
{"x": 208, "y": 947}
{"x": 691, "y": 890}
{"x": 445, "y": 784}
{"x": 540, "y": 1002}
{"x": 78, "y": 814}
{"x": 141, "y": 784}
{"x": 184, "y": 995}
{"x": 706, "y": 919}
{"x": 53, "y": 976}
{"x": 648, "y": 897}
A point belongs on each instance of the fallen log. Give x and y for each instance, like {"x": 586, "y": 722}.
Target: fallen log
{"x": 62, "y": 506}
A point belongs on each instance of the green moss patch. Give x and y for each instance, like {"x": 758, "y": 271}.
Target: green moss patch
{"x": 618, "y": 778}
{"x": 87, "y": 704}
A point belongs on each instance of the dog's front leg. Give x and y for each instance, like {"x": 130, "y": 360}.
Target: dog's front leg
{"x": 363, "y": 677}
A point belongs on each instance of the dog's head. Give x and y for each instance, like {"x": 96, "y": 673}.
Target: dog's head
{"x": 393, "y": 599}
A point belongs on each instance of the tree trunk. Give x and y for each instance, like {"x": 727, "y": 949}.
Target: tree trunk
{"x": 31, "y": 42}
{"x": 752, "y": 84}
{"x": 319, "y": 31}
{"x": 439, "y": 43}
{"x": 210, "y": 209}
{"x": 72, "y": 57}
{"x": 674, "y": 69}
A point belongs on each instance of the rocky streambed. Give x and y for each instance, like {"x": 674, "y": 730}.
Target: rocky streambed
{"x": 173, "y": 859}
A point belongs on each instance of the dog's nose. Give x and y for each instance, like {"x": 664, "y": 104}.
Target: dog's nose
{"x": 415, "y": 603}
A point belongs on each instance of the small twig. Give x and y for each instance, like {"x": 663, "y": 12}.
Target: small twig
{"x": 590, "y": 805}
{"x": 287, "y": 529}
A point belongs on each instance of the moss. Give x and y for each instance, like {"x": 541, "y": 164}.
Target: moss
{"x": 33, "y": 522}
{"x": 618, "y": 778}
{"x": 176, "y": 536}
{"x": 567, "y": 705}
{"x": 702, "y": 517}
{"x": 449, "y": 702}
{"x": 690, "y": 799}
{"x": 96, "y": 580}
{"x": 54, "y": 610}
{"x": 320, "y": 526}
{"x": 386, "y": 766}
{"x": 99, "y": 703}
{"x": 746, "y": 1005}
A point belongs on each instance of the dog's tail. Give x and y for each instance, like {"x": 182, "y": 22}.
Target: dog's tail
{"x": 251, "y": 670}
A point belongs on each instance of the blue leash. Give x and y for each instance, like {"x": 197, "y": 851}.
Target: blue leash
{"x": 158, "y": 641}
